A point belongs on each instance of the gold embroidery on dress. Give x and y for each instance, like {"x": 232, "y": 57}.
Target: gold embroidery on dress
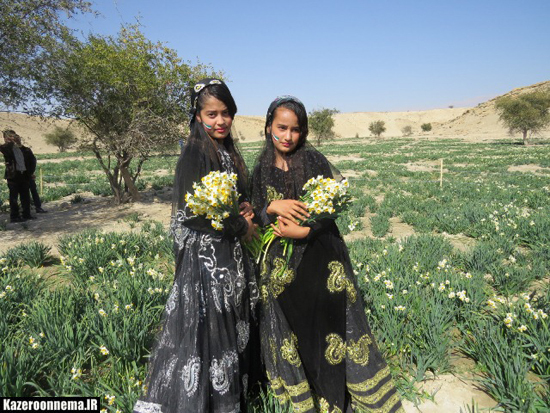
{"x": 296, "y": 389}
{"x": 289, "y": 350}
{"x": 375, "y": 397}
{"x": 276, "y": 383}
{"x": 359, "y": 351}
{"x": 305, "y": 406}
{"x": 284, "y": 393}
{"x": 370, "y": 383}
{"x": 336, "y": 350}
{"x": 280, "y": 276}
{"x": 386, "y": 408}
{"x": 273, "y": 195}
{"x": 324, "y": 406}
{"x": 263, "y": 269}
{"x": 265, "y": 293}
{"x": 273, "y": 348}
{"x": 337, "y": 281}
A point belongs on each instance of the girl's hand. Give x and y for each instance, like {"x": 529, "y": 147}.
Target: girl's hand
{"x": 246, "y": 209}
{"x": 251, "y": 231}
{"x": 289, "y": 208}
{"x": 289, "y": 229}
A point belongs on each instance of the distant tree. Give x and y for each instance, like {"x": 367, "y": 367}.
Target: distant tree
{"x": 426, "y": 127}
{"x": 129, "y": 94}
{"x": 30, "y": 31}
{"x": 377, "y": 128}
{"x": 407, "y": 130}
{"x": 321, "y": 123}
{"x": 61, "y": 137}
{"x": 525, "y": 113}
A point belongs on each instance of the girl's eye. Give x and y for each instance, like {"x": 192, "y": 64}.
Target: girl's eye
{"x": 296, "y": 130}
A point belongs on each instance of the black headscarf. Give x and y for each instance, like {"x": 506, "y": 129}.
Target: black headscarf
{"x": 303, "y": 163}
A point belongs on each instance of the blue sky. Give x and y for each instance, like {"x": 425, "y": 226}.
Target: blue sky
{"x": 355, "y": 56}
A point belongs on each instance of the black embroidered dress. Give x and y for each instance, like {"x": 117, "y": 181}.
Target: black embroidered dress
{"x": 200, "y": 361}
{"x": 317, "y": 346}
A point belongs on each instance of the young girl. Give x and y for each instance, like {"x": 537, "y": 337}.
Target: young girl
{"x": 317, "y": 347}
{"x": 200, "y": 362}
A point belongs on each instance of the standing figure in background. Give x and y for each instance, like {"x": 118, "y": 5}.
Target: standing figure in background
{"x": 317, "y": 347}
{"x": 20, "y": 166}
{"x": 32, "y": 183}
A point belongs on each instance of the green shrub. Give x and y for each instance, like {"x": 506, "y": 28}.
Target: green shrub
{"x": 33, "y": 254}
{"x": 426, "y": 127}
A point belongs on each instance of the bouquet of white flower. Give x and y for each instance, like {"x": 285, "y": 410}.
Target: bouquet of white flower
{"x": 215, "y": 196}
{"x": 324, "y": 198}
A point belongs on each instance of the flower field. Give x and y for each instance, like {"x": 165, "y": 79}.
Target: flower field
{"x": 471, "y": 281}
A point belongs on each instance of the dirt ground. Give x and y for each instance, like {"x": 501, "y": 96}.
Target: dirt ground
{"x": 95, "y": 212}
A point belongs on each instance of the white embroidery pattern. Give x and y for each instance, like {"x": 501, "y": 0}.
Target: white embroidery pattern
{"x": 243, "y": 333}
{"x": 146, "y": 407}
{"x": 226, "y": 160}
{"x": 190, "y": 375}
{"x": 220, "y": 370}
{"x": 171, "y": 303}
{"x": 170, "y": 367}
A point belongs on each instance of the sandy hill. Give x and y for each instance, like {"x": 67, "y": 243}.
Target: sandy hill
{"x": 482, "y": 121}
{"x": 466, "y": 123}
{"x": 347, "y": 125}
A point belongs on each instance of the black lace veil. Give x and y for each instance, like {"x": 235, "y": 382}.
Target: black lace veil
{"x": 304, "y": 162}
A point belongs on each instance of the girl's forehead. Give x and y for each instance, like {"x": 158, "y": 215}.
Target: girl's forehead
{"x": 285, "y": 114}
{"x": 213, "y": 103}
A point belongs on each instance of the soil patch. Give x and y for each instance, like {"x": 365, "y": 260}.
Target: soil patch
{"x": 399, "y": 229}
{"x": 339, "y": 158}
{"x": 451, "y": 395}
{"x": 350, "y": 173}
{"x": 101, "y": 213}
{"x": 460, "y": 241}
{"x": 529, "y": 168}
{"x": 427, "y": 166}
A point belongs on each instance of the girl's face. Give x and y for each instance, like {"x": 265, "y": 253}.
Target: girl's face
{"x": 215, "y": 118}
{"x": 284, "y": 130}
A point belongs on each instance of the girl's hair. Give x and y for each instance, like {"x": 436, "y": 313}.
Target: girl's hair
{"x": 199, "y": 137}
{"x": 220, "y": 92}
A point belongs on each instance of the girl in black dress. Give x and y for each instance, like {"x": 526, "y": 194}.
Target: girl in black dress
{"x": 317, "y": 346}
{"x": 201, "y": 360}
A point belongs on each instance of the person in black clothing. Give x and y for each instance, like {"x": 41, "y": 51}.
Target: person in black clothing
{"x": 317, "y": 347}
{"x": 203, "y": 358}
{"x": 20, "y": 165}
{"x": 32, "y": 183}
